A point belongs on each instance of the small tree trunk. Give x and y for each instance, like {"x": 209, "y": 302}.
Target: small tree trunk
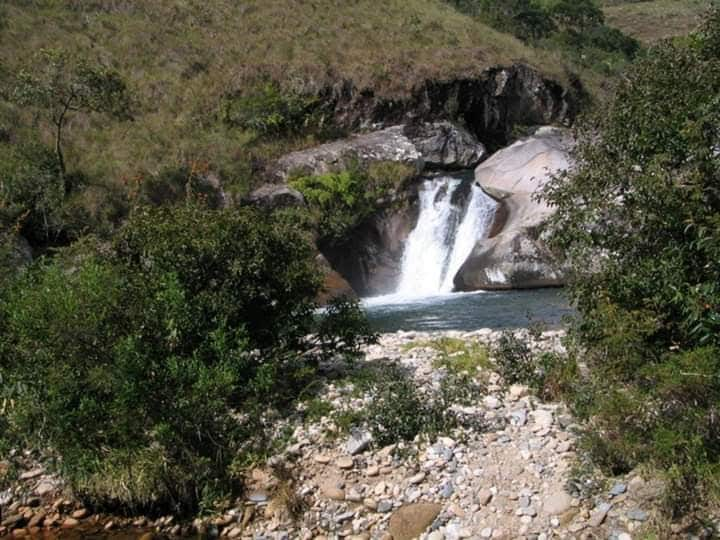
{"x": 58, "y": 146}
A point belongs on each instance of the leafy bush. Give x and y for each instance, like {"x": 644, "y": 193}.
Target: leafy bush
{"x": 638, "y": 219}
{"x": 514, "y": 359}
{"x": 147, "y": 365}
{"x": 267, "y": 110}
{"x": 576, "y": 27}
{"x": 344, "y": 199}
{"x": 399, "y": 411}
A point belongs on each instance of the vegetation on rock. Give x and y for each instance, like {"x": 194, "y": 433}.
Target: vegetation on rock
{"x": 341, "y": 201}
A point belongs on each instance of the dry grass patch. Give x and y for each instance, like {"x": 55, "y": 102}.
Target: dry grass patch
{"x": 654, "y": 20}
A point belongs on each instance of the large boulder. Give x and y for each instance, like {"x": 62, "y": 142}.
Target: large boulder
{"x": 274, "y": 197}
{"x": 434, "y": 145}
{"x": 445, "y": 146}
{"x": 334, "y": 285}
{"x": 514, "y": 256}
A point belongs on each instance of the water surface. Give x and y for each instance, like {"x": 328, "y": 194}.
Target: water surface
{"x": 467, "y": 311}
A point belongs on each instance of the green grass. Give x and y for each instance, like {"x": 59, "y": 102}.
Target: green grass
{"x": 650, "y": 21}
{"x": 456, "y": 355}
{"x": 182, "y": 57}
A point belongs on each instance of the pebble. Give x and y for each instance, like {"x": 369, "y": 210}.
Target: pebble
{"x": 419, "y": 477}
{"x": 557, "y": 503}
{"x": 44, "y": 488}
{"x": 637, "y": 515}
{"x": 618, "y": 489}
{"x": 345, "y": 463}
{"x": 358, "y": 442}
{"x": 384, "y": 506}
{"x": 334, "y": 493}
{"x": 484, "y": 496}
{"x": 70, "y": 522}
{"x": 34, "y": 473}
{"x": 258, "y": 497}
{"x": 599, "y": 514}
{"x": 80, "y": 514}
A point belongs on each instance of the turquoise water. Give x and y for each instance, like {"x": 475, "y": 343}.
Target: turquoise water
{"x": 467, "y": 311}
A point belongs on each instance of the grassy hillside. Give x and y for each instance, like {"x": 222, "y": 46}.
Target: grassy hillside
{"x": 181, "y": 57}
{"x": 652, "y": 20}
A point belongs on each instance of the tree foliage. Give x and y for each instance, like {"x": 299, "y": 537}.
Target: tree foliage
{"x": 61, "y": 84}
{"x": 149, "y": 365}
{"x": 639, "y": 220}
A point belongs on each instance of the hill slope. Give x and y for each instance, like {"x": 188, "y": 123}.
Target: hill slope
{"x": 652, "y": 20}
{"x": 180, "y": 58}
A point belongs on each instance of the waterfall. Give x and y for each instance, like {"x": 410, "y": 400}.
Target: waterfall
{"x": 447, "y": 230}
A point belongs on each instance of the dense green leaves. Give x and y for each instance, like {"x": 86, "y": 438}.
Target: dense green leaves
{"x": 576, "y": 27}
{"x": 267, "y": 110}
{"x": 148, "y": 364}
{"x": 639, "y": 221}
{"x": 342, "y": 200}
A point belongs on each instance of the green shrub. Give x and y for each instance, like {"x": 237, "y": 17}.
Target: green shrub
{"x": 148, "y": 365}
{"x": 344, "y": 199}
{"x": 638, "y": 221}
{"x": 514, "y": 359}
{"x": 399, "y": 411}
{"x": 268, "y": 110}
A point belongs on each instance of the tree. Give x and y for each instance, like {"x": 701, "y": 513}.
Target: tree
{"x": 639, "y": 222}
{"x": 577, "y": 15}
{"x": 149, "y": 365}
{"x": 61, "y": 84}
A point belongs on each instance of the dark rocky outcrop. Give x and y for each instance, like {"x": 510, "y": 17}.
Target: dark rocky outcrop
{"x": 275, "y": 196}
{"x": 445, "y": 146}
{"x": 514, "y": 256}
{"x": 489, "y": 105}
{"x": 371, "y": 257}
{"x": 435, "y": 145}
{"x": 334, "y": 285}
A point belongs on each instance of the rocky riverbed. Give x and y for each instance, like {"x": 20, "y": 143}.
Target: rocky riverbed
{"x": 512, "y": 470}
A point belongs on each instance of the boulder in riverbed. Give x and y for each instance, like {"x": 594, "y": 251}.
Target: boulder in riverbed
{"x": 514, "y": 256}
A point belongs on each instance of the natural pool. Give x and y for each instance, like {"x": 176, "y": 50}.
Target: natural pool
{"x": 467, "y": 311}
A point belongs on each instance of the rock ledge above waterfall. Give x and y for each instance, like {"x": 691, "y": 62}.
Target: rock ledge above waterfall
{"x": 438, "y": 145}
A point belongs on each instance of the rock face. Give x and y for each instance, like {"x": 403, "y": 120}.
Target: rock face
{"x": 275, "y": 196}
{"x": 489, "y": 105}
{"x": 515, "y": 256}
{"x": 334, "y": 285}
{"x": 445, "y": 146}
{"x": 370, "y": 259}
{"x": 436, "y": 145}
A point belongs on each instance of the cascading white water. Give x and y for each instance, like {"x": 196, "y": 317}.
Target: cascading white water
{"x": 443, "y": 237}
